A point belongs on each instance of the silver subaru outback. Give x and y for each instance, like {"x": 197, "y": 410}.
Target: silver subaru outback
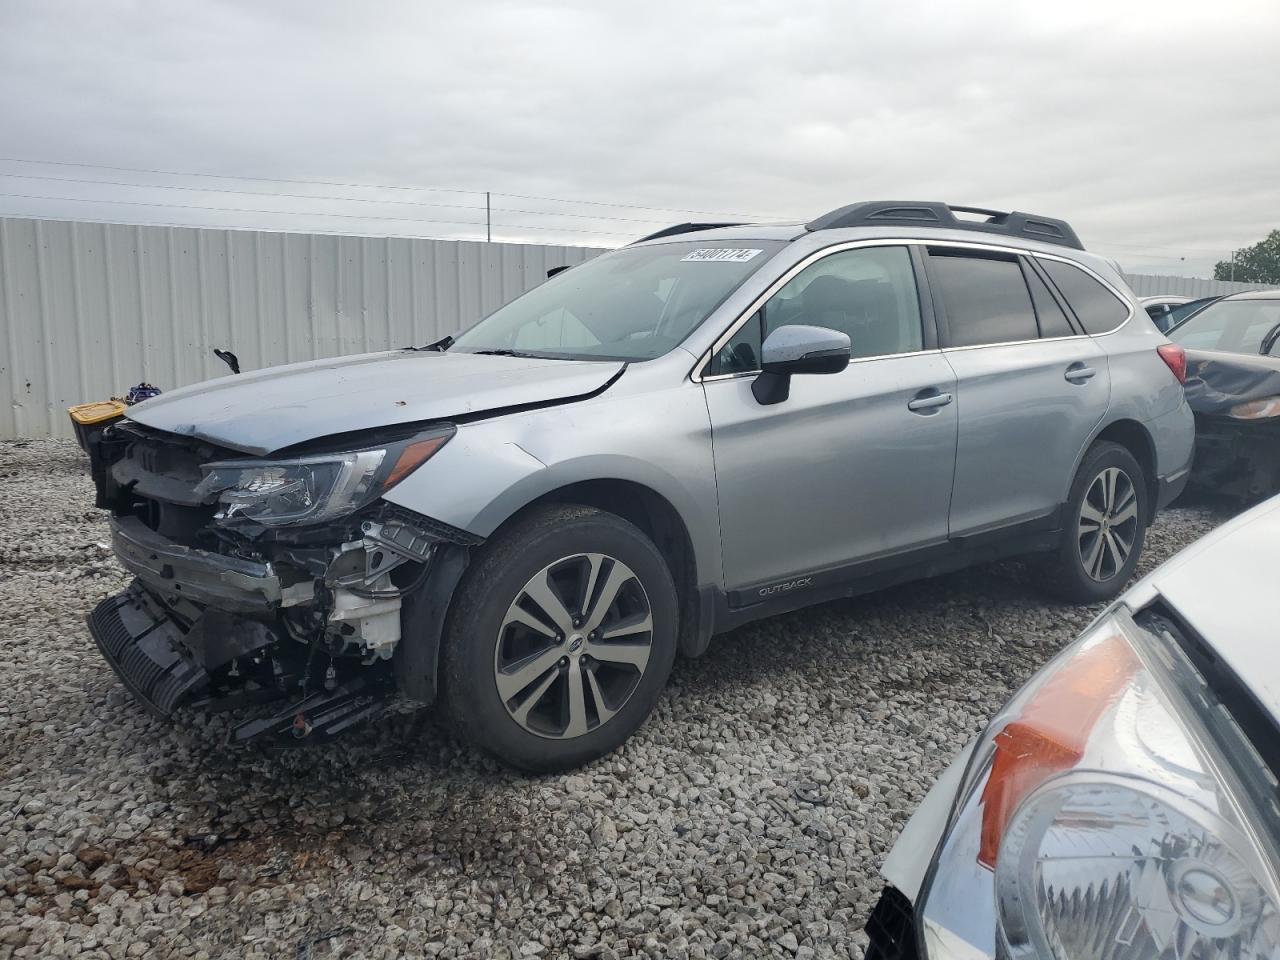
{"x": 526, "y": 522}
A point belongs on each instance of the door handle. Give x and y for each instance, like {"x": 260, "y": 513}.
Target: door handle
{"x": 928, "y": 402}
{"x": 1079, "y": 373}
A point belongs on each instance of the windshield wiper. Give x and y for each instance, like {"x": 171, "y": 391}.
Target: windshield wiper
{"x": 440, "y": 346}
{"x": 502, "y": 352}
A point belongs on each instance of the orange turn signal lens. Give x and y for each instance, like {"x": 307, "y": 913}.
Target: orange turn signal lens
{"x": 1051, "y": 732}
{"x": 413, "y": 456}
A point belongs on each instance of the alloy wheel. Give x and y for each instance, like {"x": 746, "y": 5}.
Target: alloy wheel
{"x": 1107, "y": 527}
{"x": 573, "y": 646}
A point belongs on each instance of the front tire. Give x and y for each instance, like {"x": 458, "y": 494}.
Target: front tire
{"x": 1104, "y": 527}
{"x": 560, "y": 638}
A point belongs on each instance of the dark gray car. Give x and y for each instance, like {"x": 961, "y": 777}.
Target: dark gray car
{"x": 1233, "y": 388}
{"x": 716, "y": 424}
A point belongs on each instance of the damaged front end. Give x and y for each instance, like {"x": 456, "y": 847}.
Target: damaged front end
{"x": 279, "y": 582}
{"x": 1237, "y": 457}
{"x": 1236, "y": 401}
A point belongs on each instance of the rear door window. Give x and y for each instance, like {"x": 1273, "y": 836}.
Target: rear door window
{"x": 986, "y": 298}
{"x": 1097, "y": 308}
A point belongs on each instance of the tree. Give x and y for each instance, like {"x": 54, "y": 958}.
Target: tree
{"x": 1257, "y": 264}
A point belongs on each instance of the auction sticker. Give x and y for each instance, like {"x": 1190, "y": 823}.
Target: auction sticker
{"x": 721, "y": 254}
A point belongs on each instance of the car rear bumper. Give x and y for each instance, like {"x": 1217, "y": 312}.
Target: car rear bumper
{"x": 1170, "y": 488}
{"x": 1173, "y": 437}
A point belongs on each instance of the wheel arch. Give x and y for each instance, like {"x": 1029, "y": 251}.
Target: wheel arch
{"x": 658, "y": 519}
{"x": 418, "y": 658}
{"x": 1135, "y": 438}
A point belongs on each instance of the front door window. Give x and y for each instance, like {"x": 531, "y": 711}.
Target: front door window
{"x": 868, "y": 293}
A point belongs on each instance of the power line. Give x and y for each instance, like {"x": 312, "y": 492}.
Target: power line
{"x": 223, "y": 226}
{"x": 383, "y": 186}
{"x": 1168, "y": 251}
{"x": 295, "y": 213}
{"x": 313, "y": 196}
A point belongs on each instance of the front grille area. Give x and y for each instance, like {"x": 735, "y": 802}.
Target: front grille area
{"x": 141, "y": 643}
{"x": 153, "y": 478}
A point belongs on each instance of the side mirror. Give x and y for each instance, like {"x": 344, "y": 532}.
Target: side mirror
{"x": 797, "y": 349}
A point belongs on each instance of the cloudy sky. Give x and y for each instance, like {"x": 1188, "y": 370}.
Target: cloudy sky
{"x": 1153, "y": 127}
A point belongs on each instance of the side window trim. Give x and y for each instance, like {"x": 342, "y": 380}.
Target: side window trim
{"x": 941, "y": 322}
{"x": 1058, "y": 295}
{"x": 1030, "y": 263}
{"x": 930, "y": 334}
{"x": 930, "y": 300}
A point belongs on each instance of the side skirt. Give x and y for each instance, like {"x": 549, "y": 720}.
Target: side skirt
{"x": 738, "y": 607}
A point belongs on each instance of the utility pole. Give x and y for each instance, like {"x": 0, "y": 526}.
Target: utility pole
{"x": 1233, "y": 265}
{"x": 488, "y": 220}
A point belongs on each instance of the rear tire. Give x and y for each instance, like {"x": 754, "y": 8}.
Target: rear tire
{"x": 1103, "y": 529}
{"x": 560, "y": 638}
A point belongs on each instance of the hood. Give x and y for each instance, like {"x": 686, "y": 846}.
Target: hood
{"x": 267, "y": 410}
{"x": 1217, "y": 381}
{"x": 1223, "y": 585}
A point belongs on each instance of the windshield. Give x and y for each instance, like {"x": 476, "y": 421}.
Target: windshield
{"x": 1236, "y": 326}
{"x": 632, "y": 304}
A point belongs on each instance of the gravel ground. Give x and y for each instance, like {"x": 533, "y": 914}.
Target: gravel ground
{"x": 747, "y": 818}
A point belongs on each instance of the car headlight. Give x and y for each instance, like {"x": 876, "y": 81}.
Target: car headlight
{"x": 1114, "y": 809}
{"x": 316, "y": 488}
{"x": 1262, "y": 409}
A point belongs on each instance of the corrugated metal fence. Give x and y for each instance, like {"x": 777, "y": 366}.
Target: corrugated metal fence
{"x": 1150, "y": 285}
{"x": 87, "y": 310}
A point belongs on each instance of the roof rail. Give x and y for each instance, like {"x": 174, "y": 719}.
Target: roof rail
{"x": 680, "y": 228}
{"x": 925, "y": 213}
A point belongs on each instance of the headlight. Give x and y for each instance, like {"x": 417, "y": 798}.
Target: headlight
{"x": 316, "y": 488}
{"x": 1257, "y": 409}
{"x": 1112, "y": 810}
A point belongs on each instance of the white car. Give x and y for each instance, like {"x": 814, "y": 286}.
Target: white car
{"x": 1159, "y": 308}
{"x": 1124, "y": 803}
{"x": 1168, "y": 310}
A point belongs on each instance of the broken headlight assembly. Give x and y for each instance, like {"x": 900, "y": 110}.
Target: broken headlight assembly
{"x": 1114, "y": 809}
{"x": 315, "y": 488}
{"x": 1263, "y": 409}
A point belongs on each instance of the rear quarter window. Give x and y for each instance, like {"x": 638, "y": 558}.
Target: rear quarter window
{"x": 1097, "y": 308}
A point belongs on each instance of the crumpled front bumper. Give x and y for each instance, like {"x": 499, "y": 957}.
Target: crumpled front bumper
{"x": 174, "y": 570}
{"x": 166, "y": 665}
{"x": 144, "y": 647}
{"x": 191, "y": 614}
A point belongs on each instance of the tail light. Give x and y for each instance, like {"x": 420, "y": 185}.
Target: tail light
{"x": 1176, "y": 358}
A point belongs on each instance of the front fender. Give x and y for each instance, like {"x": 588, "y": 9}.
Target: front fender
{"x": 493, "y": 468}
